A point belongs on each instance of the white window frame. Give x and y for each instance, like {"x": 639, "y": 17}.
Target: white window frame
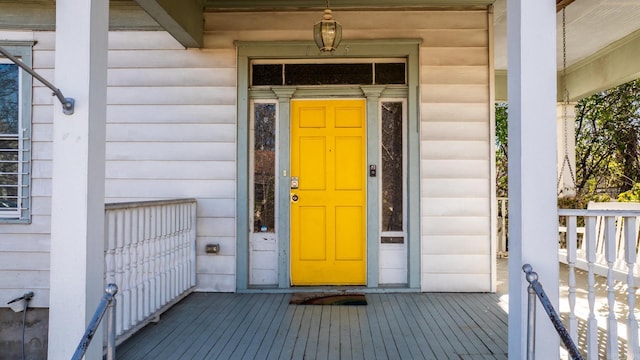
{"x": 21, "y": 50}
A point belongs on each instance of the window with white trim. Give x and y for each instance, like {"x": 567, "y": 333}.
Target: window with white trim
{"x": 15, "y": 144}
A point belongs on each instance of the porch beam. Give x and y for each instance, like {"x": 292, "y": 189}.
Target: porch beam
{"x": 613, "y": 65}
{"x": 226, "y": 5}
{"x": 184, "y": 20}
{"x": 77, "y": 204}
{"x": 21, "y": 15}
{"x": 533, "y": 220}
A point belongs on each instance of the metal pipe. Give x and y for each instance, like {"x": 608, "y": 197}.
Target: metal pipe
{"x": 531, "y": 322}
{"x": 68, "y": 104}
{"x": 105, "y": 302}
{"x": 536, "y": 286}
{"x": 111, "y": 327}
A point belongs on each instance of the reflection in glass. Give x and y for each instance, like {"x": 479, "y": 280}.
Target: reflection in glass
{"x": 392, "y": 161}
{"x": 328, "y": 74}
{"x": 9, "y": 126}
{"x": 264, "y": 156}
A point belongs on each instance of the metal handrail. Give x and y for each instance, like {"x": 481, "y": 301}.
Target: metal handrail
{"x": 68, "y": 104}
{"x": 108, "y": 302}
{"x": 535, "y": 288}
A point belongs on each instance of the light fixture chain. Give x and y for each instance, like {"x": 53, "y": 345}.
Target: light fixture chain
{"x": 565, "y": 104}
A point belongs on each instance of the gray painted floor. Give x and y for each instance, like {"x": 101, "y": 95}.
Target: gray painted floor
{"x": 265, "y": 326}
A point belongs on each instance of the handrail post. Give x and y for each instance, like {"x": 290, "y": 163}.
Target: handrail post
{"x": 536, "y": 286}
{"x": 107, "y": 302}
{"x": 111, "y": 324}
{"x": 531, "y": 318}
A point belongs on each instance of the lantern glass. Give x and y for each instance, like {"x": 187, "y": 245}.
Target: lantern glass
{"x": 327, "y": 32}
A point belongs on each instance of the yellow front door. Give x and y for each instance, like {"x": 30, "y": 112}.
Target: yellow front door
{"x": 328, "y": 212}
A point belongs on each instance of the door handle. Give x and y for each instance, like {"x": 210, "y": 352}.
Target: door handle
{"x": 294, "y": 198}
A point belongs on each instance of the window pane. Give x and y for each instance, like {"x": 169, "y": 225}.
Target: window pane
{"x": 9, "y": 86}
{"x": 264, "y": 167}
{"x": 392, "y": 169}
{"x": 390, "y": 73}
{"x": 266, "y": 75}
{"x": 9, "y": 127}
{"x": 328, "y": 74}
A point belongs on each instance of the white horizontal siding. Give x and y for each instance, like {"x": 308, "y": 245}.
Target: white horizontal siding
{"x": 448, "y": 206}
{"x": 148, "y": 189}
{"x": 454, "y": 150}
{"x": 458, "y": 244}
{"x": 463, "y": 282}
{"x": 225, "y": 133}
{"x": 452, "y": 226}
{"x": 455, "y": 169}
{"x": 196, "y": 151}
{"x": 455, "y": 166}
{"x": 161, "y": 113}
{"x": 454, "y": 112}
{"x": 182, "y": 170}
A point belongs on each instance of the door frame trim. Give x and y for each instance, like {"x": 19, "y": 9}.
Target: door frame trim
{"x": 407, "y": 48}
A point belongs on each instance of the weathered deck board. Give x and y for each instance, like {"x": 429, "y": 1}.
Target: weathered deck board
{"x": 265, "y": 326}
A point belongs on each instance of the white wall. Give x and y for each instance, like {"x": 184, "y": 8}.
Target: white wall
{"x": 171, "y": 132}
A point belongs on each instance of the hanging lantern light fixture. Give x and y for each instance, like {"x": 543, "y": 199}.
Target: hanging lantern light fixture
{"x": 327, "y": 32}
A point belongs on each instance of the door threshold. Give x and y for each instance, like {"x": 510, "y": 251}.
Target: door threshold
{"x": 332, "y": 289}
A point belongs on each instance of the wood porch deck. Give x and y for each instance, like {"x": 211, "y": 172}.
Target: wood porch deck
{"x": 266, "y": 326}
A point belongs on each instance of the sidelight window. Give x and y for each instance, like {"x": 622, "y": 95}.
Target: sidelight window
{"x": 263, "y": 139}
{"x": 392, "y": 160}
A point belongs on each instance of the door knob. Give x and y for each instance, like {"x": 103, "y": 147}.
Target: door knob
{"x": 294, "y": 198}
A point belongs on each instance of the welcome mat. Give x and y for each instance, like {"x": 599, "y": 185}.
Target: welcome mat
{"x": 327, "y": 299}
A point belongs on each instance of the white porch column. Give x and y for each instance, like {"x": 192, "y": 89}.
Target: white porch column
{"x": 566, "y": 117}
{"x": 77, "y": 220}
{"x": 533, "y": 219}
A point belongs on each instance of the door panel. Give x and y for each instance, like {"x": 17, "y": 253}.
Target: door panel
{"x": 328, "y": 215}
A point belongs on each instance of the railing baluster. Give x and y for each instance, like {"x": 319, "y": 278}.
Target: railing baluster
{"x": 110, "y": 236}
{"x": 173, "y": 255}
{"x": 631, "y": 241}
{"x": 592, "y": 323}
{"x": 147, "y": 261}
{"x": 572, "y": 244}
{"x": 126, "y": 278}
{"x": 610, "y": 256}
{"x": 155, "y": 259}
{"x": 163, "y": 255}
{"x": 192, "y": 231}
{"x": 119, "y": 268}
{"x": 140, "y": 263}
{"x": 180, "y": 247}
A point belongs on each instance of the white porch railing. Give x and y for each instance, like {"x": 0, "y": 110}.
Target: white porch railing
{"x": 503, "y": 225}
{"x": 150, "y": 255}
{"x": 604, "y": 244}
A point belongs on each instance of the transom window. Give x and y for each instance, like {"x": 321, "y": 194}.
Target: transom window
{"x": 388, "y": 72}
